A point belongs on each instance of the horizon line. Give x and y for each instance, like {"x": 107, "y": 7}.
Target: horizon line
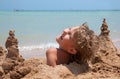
{"x": 64, "y": 10}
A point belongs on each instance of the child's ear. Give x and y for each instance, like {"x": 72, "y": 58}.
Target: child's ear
{"x": 72, "y": 51}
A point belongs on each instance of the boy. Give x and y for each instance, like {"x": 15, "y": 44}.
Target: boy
{"x": 75, "y": 44}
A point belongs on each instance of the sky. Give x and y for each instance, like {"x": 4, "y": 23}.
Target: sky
{"x": 59, "y": 4}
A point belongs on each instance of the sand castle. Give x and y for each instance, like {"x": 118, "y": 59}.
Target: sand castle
{"x": 104, "y": 28}
{"x": 105, "y": 64}
{"x": 10, "y": 56}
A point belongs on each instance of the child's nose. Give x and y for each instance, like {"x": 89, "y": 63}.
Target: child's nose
{"x": 65, "y": 31}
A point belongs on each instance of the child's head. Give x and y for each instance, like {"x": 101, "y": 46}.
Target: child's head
{"x": 79, "y": 40}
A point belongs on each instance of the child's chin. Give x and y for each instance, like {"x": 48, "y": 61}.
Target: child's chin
{"x": 58, "y": 40}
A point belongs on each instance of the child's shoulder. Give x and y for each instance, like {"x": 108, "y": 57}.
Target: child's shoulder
{"x": 51, "y": 49}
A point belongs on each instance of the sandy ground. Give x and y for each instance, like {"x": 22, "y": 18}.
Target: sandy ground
{"x": 100, "y": 70}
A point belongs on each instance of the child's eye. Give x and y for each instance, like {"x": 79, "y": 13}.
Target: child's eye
{"x": 70, "y": 35}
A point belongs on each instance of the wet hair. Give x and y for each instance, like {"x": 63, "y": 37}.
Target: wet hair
{"x": 86, "y": 44}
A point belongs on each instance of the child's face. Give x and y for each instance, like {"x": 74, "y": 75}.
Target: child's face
{"x": 66, "y": 40}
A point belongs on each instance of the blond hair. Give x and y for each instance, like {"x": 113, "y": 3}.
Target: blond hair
{"x": 86, "y": 43}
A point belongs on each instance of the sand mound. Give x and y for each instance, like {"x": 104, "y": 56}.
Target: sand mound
{"x": 39, "y": 70}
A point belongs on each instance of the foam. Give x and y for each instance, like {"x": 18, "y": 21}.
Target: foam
{"x": 37, "y": 47}
{"x": 117, "y": 42}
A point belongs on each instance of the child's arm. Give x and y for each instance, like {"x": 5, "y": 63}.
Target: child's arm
{"x": 51, "y": 55}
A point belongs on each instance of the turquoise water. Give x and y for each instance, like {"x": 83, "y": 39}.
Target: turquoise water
{"x": 37, "y": 31}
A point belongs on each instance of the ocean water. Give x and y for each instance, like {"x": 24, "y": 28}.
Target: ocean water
{"x": 37, "y": 30}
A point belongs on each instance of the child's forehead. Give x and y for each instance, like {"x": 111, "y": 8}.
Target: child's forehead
{"x": 74, "y": 28}
{"x": 74, "y": 31}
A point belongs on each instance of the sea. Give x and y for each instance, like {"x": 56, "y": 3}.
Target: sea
{"x": 36, "y": 31}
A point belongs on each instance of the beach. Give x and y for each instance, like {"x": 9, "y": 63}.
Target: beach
{"x": 36, "y": 32}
